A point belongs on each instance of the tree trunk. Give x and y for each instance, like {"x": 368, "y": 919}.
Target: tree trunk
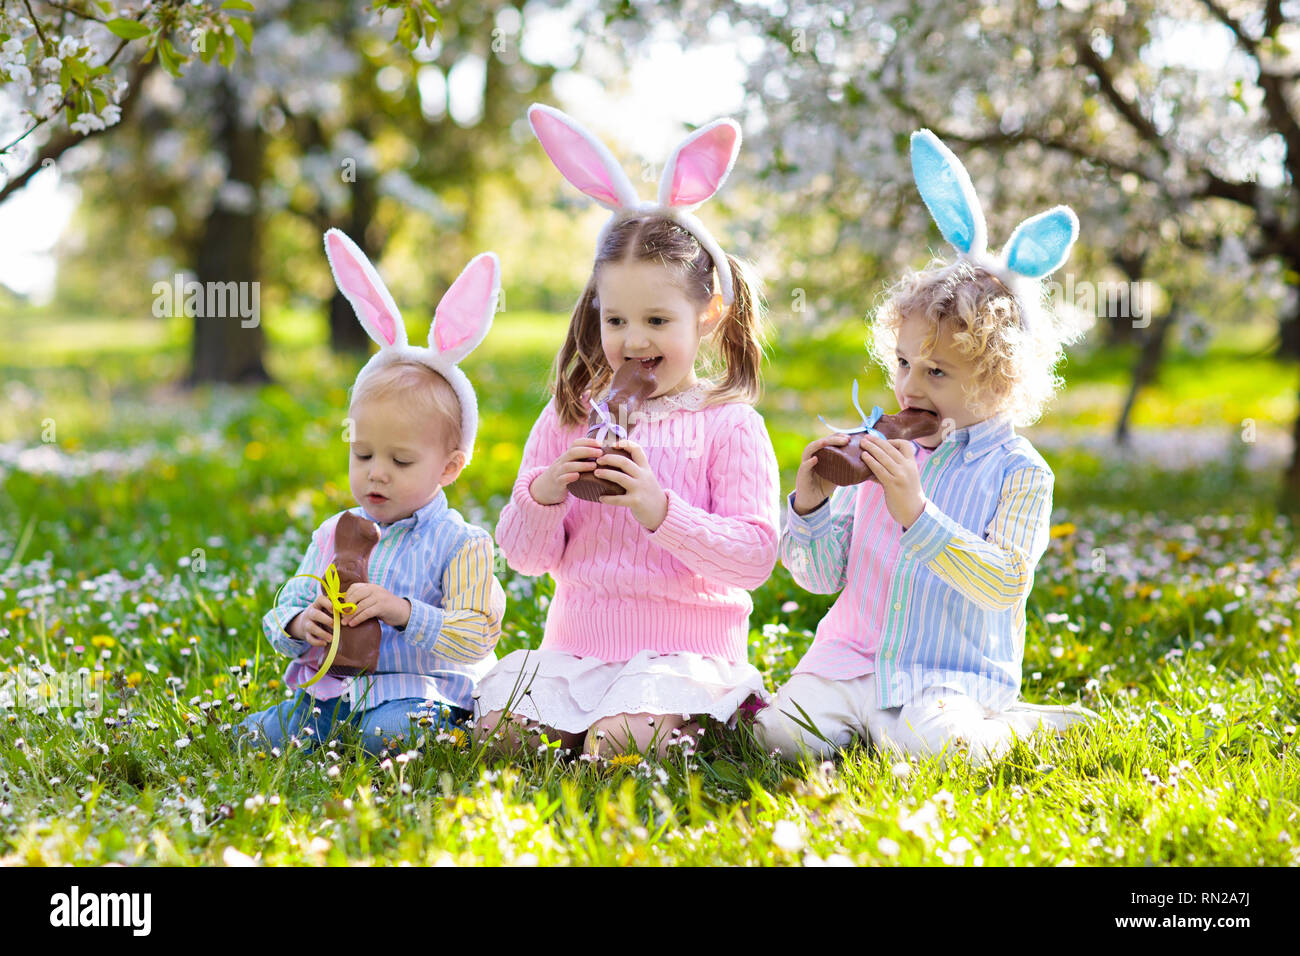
{"x": 1148, "y": 363}
{"x": 1131, "y": 258}
{"x": 1119, "y": 330}
{"x": 228, "y": 343}
{"x": 1288, "y": 345}
{"x": 1289, "y": 502}
{"x": 346, "y": 333}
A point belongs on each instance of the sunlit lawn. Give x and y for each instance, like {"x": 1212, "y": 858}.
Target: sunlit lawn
{"x": 154, "y": 528}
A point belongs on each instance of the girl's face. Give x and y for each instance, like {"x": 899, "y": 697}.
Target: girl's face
{"x": 646, "y": 317}
{"x": 935, "y": 382}
{"x": 397, "y": 465}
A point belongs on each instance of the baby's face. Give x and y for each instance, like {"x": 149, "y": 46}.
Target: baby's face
{"x": 397, "y": 464}
{"x": 934, "y": 382}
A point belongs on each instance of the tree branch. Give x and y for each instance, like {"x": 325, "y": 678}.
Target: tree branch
{"x": 1276, "y": 102}
{"x": 1126, "y": 108}
{"x": 1244, "y": 40}
{"x": 1217, "y": 187}
{"x": 999, "y": 139}
{"x": 82, "y": 14}
{"x": 60, "y": 144}
{"x": 1273, "y": 18}
{"x": 62, "y": 103}
{"x": 36, "y": 23}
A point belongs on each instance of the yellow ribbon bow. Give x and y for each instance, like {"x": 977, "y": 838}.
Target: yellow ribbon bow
{"x": 330, "y": 584}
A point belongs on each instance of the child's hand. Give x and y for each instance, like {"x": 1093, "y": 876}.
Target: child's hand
{"x": 641, "y": 492}
{"x": 552, "y": 486}
{"x": 893, "y": 462}
{"x": 316, "y": 624}
{"x": 373, "y": 601}
{"x": 810, "y": 488}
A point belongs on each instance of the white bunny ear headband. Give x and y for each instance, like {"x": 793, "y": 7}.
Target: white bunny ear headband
{"x": 695, "y": 171}
{"x": 1037, "y": 247}
{"x": 460, "y": 322}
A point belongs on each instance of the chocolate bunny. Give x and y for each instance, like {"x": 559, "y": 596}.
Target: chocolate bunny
{"x": 612, "y": 419}
{"x": 843, "y": 464}
{"x": 354, "y": 538}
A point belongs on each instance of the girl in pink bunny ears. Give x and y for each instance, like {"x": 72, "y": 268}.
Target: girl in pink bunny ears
{"x": 648, "y": 628}
{"x": 414, "y": 416}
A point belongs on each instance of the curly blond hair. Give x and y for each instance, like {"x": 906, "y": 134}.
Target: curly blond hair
{"x": 1014, "y": 370}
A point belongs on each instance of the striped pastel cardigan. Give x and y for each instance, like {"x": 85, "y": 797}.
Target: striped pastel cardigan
{"x": 443, "y": 567}
{"x": 942, "y": 603}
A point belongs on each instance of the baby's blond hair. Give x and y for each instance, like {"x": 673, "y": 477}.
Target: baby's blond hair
{"x": 1014, "y": 369}
{"x": 421, "y": 390}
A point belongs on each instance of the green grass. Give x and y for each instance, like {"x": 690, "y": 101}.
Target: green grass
{"x": 1165, "y": 602}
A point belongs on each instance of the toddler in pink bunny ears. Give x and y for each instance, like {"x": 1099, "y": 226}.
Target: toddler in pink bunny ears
{"x": 413, "y": 417}
{"x": 647, "y": 632}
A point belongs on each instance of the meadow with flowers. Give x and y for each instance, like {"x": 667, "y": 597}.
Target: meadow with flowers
{"x": 144, "y": 532}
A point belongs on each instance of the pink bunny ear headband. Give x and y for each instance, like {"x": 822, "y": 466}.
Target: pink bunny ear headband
{"x": 460, "y": 322}
{"x": 695, "y": 171}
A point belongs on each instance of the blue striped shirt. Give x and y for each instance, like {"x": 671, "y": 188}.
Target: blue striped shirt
{"x": 443, "y": 567}
{"x": 955, "y": 606}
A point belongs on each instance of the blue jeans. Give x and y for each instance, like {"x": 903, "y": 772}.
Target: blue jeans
{"x": 398, "y": 720}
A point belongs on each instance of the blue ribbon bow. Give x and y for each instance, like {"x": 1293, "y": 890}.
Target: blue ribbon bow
{"x": 867, "y": 420}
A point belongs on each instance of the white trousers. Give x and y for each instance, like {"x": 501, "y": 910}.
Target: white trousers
{"x": 940, "y": 721}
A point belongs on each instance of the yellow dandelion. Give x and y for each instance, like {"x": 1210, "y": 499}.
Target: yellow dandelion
{"x": 624, "y": 760}
{"x": 254, "y": 451}
{"x": 134, "y": 679}
{"x": 273, "y": 683}
{"x": 18, "y": 612}
{"x": 103, "y": 640}
{"x": 458, "y": 737}
{"x": 1063, "y": 530}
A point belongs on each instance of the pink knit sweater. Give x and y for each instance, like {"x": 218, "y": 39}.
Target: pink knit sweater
{"x": 620, "y": 589}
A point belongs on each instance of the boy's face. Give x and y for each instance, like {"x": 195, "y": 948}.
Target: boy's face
{"x": 935, "y": 382}
{"x": 396, "y": 464}
{"x": 645, "y": 316}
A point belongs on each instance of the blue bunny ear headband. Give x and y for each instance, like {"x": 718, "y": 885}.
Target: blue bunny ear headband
{"x": 1037, "y": 248}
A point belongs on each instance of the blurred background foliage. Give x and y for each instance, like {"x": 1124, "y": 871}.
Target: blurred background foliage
{"x": 1171, "y": 127}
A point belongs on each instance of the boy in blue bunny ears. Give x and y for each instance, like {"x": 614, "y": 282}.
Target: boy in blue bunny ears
{"x": 922, "y": 651}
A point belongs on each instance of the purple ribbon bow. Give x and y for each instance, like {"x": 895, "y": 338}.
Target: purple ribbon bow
{"x": 607, "y": 423}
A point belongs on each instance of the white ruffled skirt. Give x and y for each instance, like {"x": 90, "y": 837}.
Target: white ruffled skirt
{"x": 571, "y": 693}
